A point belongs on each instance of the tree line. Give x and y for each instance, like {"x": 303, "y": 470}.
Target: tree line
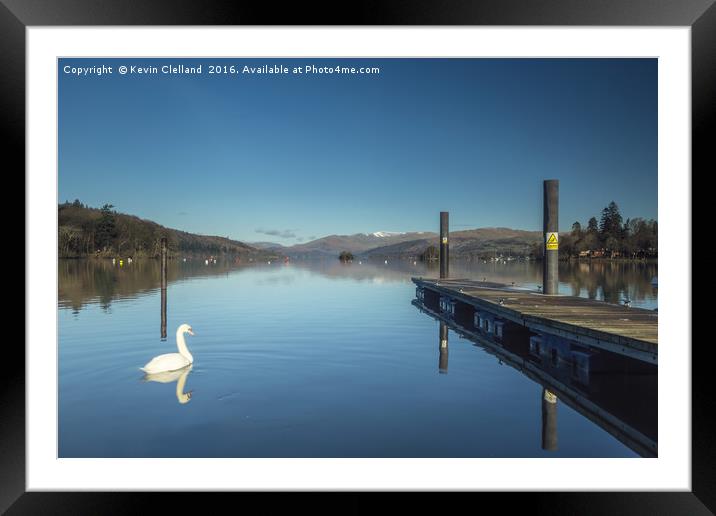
{"x": 103, "y": 232}
{"x": 609, "y": 237}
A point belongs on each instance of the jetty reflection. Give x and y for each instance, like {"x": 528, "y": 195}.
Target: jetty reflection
{"x": 179, "y": 376}
{"x": 616, "y": 393}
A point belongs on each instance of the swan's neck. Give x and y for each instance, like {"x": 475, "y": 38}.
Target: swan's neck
{"x": 181, "y": 345}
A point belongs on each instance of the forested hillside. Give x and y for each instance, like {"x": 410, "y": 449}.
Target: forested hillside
{"x": 103, "y": 232}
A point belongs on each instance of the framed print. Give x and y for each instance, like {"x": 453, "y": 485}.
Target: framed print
{"x": 416, "y": 250}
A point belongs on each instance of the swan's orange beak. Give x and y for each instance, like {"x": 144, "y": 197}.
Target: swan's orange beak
{"x": 190, "y": 332}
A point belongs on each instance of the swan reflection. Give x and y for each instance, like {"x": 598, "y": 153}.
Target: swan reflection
{"x": 178, "y": 376}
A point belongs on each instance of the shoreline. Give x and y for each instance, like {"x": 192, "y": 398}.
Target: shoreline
{"x": 369, "y": 258}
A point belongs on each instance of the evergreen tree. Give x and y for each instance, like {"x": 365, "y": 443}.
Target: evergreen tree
{"x": 106, "y": 230}
{"x": 610, "y": 226}
{"x": 592, "y": 226}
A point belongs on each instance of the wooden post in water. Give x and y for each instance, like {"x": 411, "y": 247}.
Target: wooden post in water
{"x": 443, "y": 338}
{"x": 444, "y": 246}
{"x": 549, "y": 420}
{"x": 550, "y": 262}
{"x": 164, "y": 288}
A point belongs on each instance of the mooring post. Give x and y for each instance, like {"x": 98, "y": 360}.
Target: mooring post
{"x": 550, "y": 267}
{"x": 549, "y": 420}
{"x": 164, "y": 288}
{"x": 164, "y": 262}
{"x": 443, "y": 340}
{"x": 444, "y": 246}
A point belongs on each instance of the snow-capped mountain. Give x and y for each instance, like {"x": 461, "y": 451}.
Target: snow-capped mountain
{"x": 384, "y": 234}
{"x": 332, "y": 245}
{"x": 395, "y": 243}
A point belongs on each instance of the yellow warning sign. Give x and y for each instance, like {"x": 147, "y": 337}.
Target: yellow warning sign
{"x": 444, "y": 240}
{"x": 552, "y": 241}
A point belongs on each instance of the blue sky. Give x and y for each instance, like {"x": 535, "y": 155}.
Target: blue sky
{"x": 288, "y": 157}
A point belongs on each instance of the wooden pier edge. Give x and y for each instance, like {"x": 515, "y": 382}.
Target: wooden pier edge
{"x": 597, "y": 334}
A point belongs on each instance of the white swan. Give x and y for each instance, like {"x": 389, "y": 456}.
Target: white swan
{"x": 172, "y": 361}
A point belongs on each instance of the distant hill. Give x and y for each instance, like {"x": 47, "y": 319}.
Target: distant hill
{"x": 470, "y": 243}
{"x": 483, "y": 242}
{"x": 266, "y": 245}
{"x": 85, "y": 231}
{"x": 332, "y": 245}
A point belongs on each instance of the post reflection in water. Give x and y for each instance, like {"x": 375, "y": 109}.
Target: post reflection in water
{"x": 164, "y": 289}
{"x": 164, "y": 314}
{"x": 443, "y": 340}
{"x": 178, "y": 376}
{"x": 549, "y": 420}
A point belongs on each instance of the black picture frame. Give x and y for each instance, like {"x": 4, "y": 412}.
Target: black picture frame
{"x": 700, "y": 15}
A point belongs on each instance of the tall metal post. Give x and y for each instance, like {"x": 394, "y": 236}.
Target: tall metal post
{"x": 550, "y": 274}
{"x": 444, "y": 246}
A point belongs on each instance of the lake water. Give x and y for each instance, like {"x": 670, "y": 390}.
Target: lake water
{"x": 317, "y": 359}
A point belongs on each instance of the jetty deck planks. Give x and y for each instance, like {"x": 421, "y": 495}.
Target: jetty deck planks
{"x": 614, "y": 327}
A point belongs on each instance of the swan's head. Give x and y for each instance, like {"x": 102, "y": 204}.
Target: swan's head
{"x": 185, "y": 328}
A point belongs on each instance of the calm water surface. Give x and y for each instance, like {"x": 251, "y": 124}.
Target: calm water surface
{"x": 310, "y": 359}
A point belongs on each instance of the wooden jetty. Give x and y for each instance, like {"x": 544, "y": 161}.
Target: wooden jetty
{"x": 632, "y": 332}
